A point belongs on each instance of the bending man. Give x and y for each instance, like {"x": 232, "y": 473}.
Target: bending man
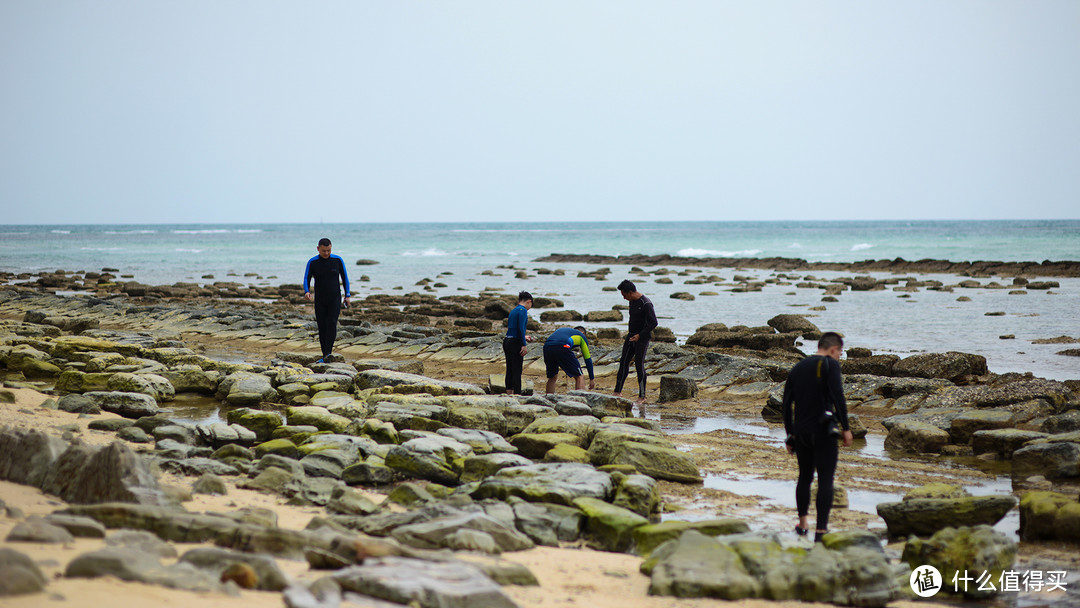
{"x": 514, "y": 342}
{"x": 642, "y": 322}
{"x": 559, "y": 353}
{"x": 325, "y": 269}
{"x": 814, "y": 412}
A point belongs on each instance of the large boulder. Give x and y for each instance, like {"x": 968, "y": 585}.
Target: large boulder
{"x": 545, "y": 523}
{"x": 647, "y": 538}
{"x": 695, "y": 565}
{"x": 558, "y": 483}
{"x": 19, "y": 575}
{"x": 1049, "y": 516}
{"x": 400, "y": 382}
{"x": 1002, "y": 442}
{"x": 318, "y": 417}
{"x": 677, "y": 388}
{"x": 476, "y": 468}
{"x": 128, "y": 405}
{"x": 966, "y": 424}
{"x": 1052, "y": 459}
{"x": 132, "y": 565}
{"x": 788, "y": 323}
{"x": 246, "y": 388}
{"x": 426, "y": 584}
{"x": 268, "y": 575}
{"x": 435, "y": 458}
{"x": 913, "y": 436}
{"x": 148, "y": 384}
{"x": 961, "y": 552}
{"x": 439, "y": 533}
{"x": 951, "y": 366}
{"x": 925, "y": 516}
{"x": 608, "y": 527}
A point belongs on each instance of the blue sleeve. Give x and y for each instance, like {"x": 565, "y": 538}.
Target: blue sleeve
{"x": 522, "y": 323}
{"x": 588, "y": 357}
{"x": 344, "y": 276}
{"x": 307, "y": 276}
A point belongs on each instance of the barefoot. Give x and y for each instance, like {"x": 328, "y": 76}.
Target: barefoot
{"x": 640, "y": 401}
{"x": 619, "y": 394}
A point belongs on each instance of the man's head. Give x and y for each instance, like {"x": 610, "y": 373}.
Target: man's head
{"x": 324, "y": 248}
{"x": 629, "y": 290}
{"x": 525, "y": 299}
{"x": 581, "y": 328}
{"x": 831, "y": 344}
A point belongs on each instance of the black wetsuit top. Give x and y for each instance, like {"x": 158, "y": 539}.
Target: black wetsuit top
{"x": 326, "y": 271}
{"x": 804, "y": 395}
{"x": 642, "y": 317}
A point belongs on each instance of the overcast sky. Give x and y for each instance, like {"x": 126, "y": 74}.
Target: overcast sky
{"x": 225, "y": 111}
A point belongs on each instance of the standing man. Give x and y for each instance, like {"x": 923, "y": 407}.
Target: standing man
{"x": 326, "y": 269}
{"x": 814, "y": 414}
{"x": 642, "y": 322}
{"x": 514, "y": 342}
{"x": 559, "y": 352}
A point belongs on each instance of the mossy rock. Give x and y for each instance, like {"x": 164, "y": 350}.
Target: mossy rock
{"x": 936, "y": 490}
{"x": 1049, "y": 516}
{"x": 281, "y": 447}
{"x": 567, "y": 453}
{"x": 536, "y": 445}
{"x": 649, "y": 537}
{"x": 608, "y": 527}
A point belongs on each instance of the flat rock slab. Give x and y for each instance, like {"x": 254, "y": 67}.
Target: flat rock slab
{"x": 402, "y": 382}
{"x": 425, "y": 584}
{"x": 925, "y": 516}
{"x": 558, "y": 483}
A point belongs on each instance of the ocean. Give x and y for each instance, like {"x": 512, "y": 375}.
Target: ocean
{"x": 457, "y": 254}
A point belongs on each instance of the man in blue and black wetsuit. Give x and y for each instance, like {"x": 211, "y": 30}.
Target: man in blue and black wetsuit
{"x": 559, "y": 353}
{"x": 514, "y": 342}
{"x": 642, "y": 322}
{"x": 326, "y": 269}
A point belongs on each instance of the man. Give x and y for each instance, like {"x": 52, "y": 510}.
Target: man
{"x": 642, "y": 322}
{"x": 559, "y": 352}
{"x": 813, "y": 408}
{"x": 325, "y": 269}
{"x": 514, "y": 342}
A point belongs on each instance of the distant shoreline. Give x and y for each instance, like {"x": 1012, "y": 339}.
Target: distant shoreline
{"x": 1047, "y": 268}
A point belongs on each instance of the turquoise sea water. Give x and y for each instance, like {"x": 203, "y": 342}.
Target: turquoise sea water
{"x": 456, "y": 254}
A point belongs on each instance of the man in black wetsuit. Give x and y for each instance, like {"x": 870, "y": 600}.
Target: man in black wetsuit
{"x": 325, "y": 269}
{"x": 642, "y": 322}
{"x": 814, "y": 413}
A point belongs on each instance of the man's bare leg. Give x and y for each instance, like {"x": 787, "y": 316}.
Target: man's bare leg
{"x": 550, "y": 386}
{"x": 579, "y": 382}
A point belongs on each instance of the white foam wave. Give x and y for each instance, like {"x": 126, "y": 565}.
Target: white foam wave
{"x": 205, "y": 231}
{"x": 794, "y": 246}
{"x": 181, "y": 250}
{"x": 861, "y": 246}
{"x": 101, "y": 248}
{"x": 691, "y": 252}
{"x": 130, "y": 232}
{"x": 60, "y": 231}
{"x": 248, "y": 230}
{"x": 427, "y": 253}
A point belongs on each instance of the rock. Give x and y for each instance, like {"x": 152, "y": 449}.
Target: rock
{"x": 536, "y": 445}
{"x": 638, "y": 493}
{"x": 452, "y": 584}
{"x": 925, "y": 516}
{"x": 130, "y": 565}
{"x": 965, "y": 425}
{"x": 1053, "y": 460}
{"x": 197, "y": 466}
{"x": 481, "y": 442}
{"x": 328, "y": 463}
{"x": 604, "y": 316}
{"x": 604, "y": 405}
{"x": 372, "y": 472}
{"x": 872, "y": 365}
{"x": 272, "y": 480}
{"x": 936, "y": 490}
{"x": 204, "y": 382}
{"x": 19, "y": 575}
{"x": 696, "y": 565}
{"x": 968, "y": 551}
{"x": 795, "y": 323}
{"x": 476, "y": 468}
{"x": 647, "y": 538}
{"x": 1062, "y": 423}
{"x": 134, "y": 434}
{"x": 404, "y": 383}
{"x": 381, "y": 432}
{"x": 583, "y": 427}
{"x": 148, "y": 384}
{"x": 949, "y": 366}
{"x": 650, "y": 459}
{"x": 77, "y": 526}
{"x": 38, "y": 530}
{"x": 566, "y": 453}
{"x": 560, "y": 316}
{"x": 676, "y": 388}
{"x": 1049, "y": 516}
{"x": 84, "y": 474}
{"x": 911, "y": 436}
{"x": 438, "y": 533}
{"x": 245, "y": 388}
{"x": 348, "y": 501}
{"x": 608, "y": 527}
{"x": 268, "y": 575}
{"x": 547, "y": 524}
{"x": 558, "y": 483}
{"x": 1002, "y": 442}
{"x": 318, "y": 417}
{"x": 77, "y": 404}
{"x": 842, "y": 539}
{"x": 128, "y": 405}
{"x": 259, "y": 422}
{"x": 210, "y": 484}
{"x": 279, "y": 447}
{"x": 423, "y": 459}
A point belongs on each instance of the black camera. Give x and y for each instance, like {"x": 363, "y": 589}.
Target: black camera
{"x": 832, "y": 426}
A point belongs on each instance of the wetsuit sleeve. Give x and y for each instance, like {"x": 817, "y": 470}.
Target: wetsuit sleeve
{"x": 344, "y": 277}
{"x": 650, "y": 320}
{"x": 836, "y": 388}
{"x": 785, "y": 407}
{"x": 307, "y": 277}
{"x": 522, "y": 322}
{"x": 585, "y": 353}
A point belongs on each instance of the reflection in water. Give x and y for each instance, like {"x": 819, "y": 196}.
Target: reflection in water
{"x": 199, "y": 409}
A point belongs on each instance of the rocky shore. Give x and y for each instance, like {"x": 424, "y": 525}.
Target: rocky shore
{"x": 985, "y": 269}
{"x": 398, "y": 473}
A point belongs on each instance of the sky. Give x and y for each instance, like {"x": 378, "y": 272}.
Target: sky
{"x": 388, "y": 111}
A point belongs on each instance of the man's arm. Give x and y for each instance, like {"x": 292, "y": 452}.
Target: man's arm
{"x": 785, "y": 407}
{"x": 836, "y": 388}
{"x": 307, "y": 279}
{"x": 650, "y": 319}
{"x": 344, "y": 277}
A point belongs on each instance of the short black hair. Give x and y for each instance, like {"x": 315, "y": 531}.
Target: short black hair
{"x": 830, "y": 339}
{"x": 580, "y": 328}
{"x": 627, "y": 286}
{"x": 524, "y": 296}
{"x": 324, "y": 242}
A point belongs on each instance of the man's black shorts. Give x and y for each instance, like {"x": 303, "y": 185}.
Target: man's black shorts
{"x": 561, "y": 356}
